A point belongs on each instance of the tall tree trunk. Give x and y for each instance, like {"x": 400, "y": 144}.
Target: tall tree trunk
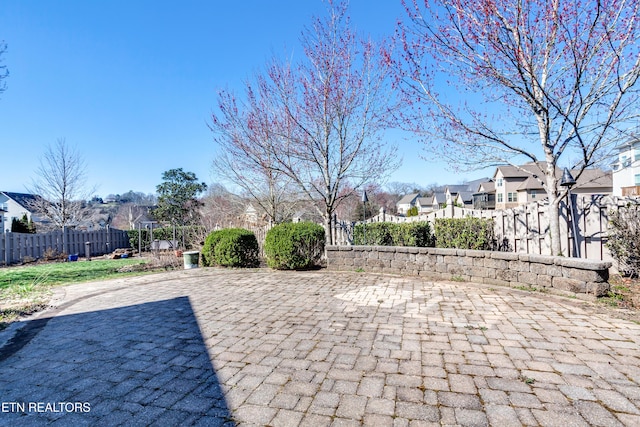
{"x": 553, "y": 213}
{"x": 327, "y": 228}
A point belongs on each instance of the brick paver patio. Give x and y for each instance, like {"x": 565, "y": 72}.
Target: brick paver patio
{"x": 258, "y": 347}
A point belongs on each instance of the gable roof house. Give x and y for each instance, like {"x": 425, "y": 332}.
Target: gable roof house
{"x": 439, "y": 199}
{"x": 520, "y": 185}
{"x": 424, "y": 205}
{"x": 16, "y": 205}
{"x": 407, "y": 202}
{"x": 458, "y": 195}
{"x": 485, "y": 196}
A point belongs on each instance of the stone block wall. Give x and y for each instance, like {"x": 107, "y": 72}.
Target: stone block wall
{"x": 572, "y": 276}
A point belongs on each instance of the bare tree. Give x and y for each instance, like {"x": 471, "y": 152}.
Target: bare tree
{"x": 61, "y": 185}
{"x": 507, "y": 81}
{"x": 321, "y": 119}
{"x": 244, "y": 159}
{"x": 221, "y": 208}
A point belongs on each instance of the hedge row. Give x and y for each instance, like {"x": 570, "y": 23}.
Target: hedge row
{"x": 393, "y": 234}
{"x": 465, "y": 233}
{"x": 461, "y": 233}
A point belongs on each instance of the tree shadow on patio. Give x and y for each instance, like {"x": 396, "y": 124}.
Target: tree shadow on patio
{"x": 137, "y": 365}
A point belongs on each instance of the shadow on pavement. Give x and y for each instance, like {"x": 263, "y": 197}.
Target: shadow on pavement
{"x": 144, "y": 364}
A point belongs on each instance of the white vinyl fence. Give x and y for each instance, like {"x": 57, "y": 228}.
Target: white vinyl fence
{"x": 525, "y": 228}
{"x": 15, "y": 247}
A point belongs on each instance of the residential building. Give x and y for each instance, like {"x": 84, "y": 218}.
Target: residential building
{"x": 485, "y": 196}
{"x": 16, "y": 205}
{"x": 2, "y": 213}
{"x": 520, "y": 185}
{"x": 424, "y": 205}
{"x": 407, "y": 202}
{"x": 626, "y": 169}
{"x": 458, "y": 195}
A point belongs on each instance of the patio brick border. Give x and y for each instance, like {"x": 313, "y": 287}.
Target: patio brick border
{"x": 581, "y": 278}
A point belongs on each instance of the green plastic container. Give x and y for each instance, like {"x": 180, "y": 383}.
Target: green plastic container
{"x": 191, "y": 259}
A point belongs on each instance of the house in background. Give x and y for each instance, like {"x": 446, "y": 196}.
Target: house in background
{"x": 407, "y": 202}
{"x": 2, "y": 212}
{"x": 626, "y": 169}
{"x": 521, "y": 185}
{"x": 460, "y": 195}
{"x": 485, "y": 196}
{"x": 424, "y": 205}
{"x": 16, "y": 205}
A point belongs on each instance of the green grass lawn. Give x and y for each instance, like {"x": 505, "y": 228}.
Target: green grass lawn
{"x": 62, "y": 272}
{"x": 26, "y": 289}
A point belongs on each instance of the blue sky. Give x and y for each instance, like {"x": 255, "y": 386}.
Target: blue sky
{"x": 132, "y": 84}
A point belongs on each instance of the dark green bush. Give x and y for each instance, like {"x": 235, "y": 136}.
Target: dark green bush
{"x": 296, "y": 246}
{"x": 464, "y": 233}
{"x": 413, "y": 211}
{"x": 394, "y": 234}
{"x": 210, "y": 243}
{"x": 231, "y": 247}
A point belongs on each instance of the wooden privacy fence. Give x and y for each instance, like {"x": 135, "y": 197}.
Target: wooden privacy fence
{"x": 525, "y": 229}
{"x": 14, "y": 247}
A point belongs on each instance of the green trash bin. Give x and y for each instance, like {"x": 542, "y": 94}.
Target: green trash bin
{"x": 191, "y": 259}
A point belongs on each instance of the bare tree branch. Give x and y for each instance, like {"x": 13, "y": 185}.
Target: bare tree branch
{"x": 61, "y": 184}
{"x": 565, "y": 71}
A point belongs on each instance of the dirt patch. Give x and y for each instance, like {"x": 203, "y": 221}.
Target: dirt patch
{"x": 623, "y": 300}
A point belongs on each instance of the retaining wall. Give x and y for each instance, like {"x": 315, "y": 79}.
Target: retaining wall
{"x": 576, "y": 277}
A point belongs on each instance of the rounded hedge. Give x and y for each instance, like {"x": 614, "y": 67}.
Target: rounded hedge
{"x": 294, "y": 246}
{"x": 231, "y": 247}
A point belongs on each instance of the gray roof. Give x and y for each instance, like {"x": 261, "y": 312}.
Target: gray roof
{"x": 522, "y": 171}
{"x": 23, "y": 199}
{"x": 409, "y": 198}
{"x": 530, "y": 183}
{"x": 594, "y": 178}
{"x": 486, "y": 187}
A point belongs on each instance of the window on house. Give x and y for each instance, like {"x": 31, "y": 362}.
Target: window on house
{"x": 637, "y": 155}
{"x": 637, "y": 176}
{"x": 512, "y": 197}
{"x": 499, "y": 182}
{"x": 499, "y": 197}
{"x": 533, "y": 194}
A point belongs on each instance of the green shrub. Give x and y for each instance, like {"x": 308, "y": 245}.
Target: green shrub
{"x": 296, "y": 246}
{"x": 231, "y": 247}
{"x": 413, "y": 211}
{"x": 464, "y": 233}
{"x": 210, "y": 243}
{"x": 394, "y": 234}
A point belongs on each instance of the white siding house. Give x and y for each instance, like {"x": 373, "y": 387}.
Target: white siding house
{"x": 626, "y": 169}
{"x": 15, "y": 205}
